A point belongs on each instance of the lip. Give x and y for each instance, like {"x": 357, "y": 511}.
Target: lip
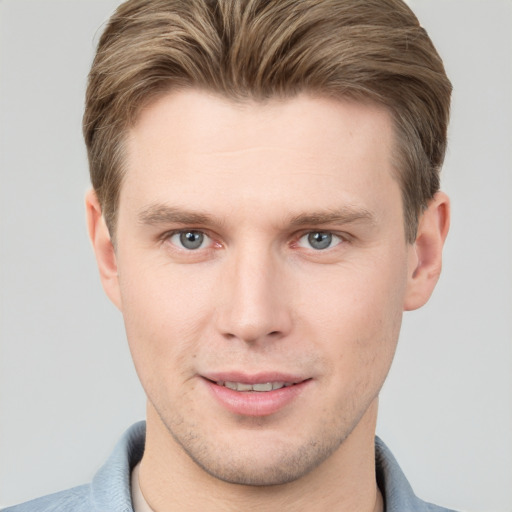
{"x": 254, "y": 403}
{"x": 254, "y": 378}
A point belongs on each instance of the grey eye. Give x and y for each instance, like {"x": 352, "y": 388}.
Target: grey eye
{"x": 190, "y": 240}
{"x": 319, "y": 240}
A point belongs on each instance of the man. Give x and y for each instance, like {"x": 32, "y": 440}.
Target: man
{"x": 265, "y": 205}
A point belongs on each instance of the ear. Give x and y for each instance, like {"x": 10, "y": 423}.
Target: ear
{"x": 103, "y": 248}
{"x": 425, "y": 254}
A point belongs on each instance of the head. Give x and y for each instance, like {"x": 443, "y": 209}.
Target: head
{"x": 269, "y": 172}
{"x": 254, "y": 49}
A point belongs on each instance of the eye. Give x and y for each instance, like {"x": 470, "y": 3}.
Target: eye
{"x": 190, "y": 240}
{"x": 319, "y": 240}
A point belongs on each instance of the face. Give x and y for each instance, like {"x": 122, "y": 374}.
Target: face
{"x": 261, "y": 272}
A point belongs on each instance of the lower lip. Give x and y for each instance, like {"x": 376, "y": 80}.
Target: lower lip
{"x": 255, "y": 403}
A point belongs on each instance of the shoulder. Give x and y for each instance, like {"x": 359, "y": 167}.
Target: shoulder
{"x": 76, "y": 499}
{"x": 110, "y": 487}
{"x": 430, "y": 507}
{"x": 396, "y": 490}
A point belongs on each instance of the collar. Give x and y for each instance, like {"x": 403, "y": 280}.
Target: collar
{"x": 111, "y": 488}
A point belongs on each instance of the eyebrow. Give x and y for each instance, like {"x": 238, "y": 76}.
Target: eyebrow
{"x": 156, "y": 214}
{"x": 164, "y": 214}
{"x": 345, "y": 215}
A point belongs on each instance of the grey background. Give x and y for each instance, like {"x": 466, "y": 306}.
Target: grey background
{"x": 67, "y": 386}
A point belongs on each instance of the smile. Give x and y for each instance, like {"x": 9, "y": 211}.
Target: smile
{"x": 261, "y": 397}
{"x": 260, "y": 387}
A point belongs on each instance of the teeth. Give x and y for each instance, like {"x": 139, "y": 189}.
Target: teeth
{"x": 268, "y": 386}
{"x": 243, "y": 387}
{"x": 261, "y": 387}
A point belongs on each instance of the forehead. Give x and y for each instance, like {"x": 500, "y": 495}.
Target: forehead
{"x": 199, "y": 117}
{"x": 191, "y": 146}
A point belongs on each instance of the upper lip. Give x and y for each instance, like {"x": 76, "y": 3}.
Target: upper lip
{"x": 254, "y": 378}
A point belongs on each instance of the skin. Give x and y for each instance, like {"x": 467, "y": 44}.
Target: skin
{"x": 256, "y": 179}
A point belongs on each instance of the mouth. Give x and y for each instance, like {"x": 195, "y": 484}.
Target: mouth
{"x": 261, "y": 387}
{"x": 260, "y": 395}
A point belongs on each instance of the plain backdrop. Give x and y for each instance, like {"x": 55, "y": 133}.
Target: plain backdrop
{"x": 67, "y": 386}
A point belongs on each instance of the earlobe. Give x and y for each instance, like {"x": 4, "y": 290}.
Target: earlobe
{"x": 103, "y": 248}
{"x": 425, "y": 255}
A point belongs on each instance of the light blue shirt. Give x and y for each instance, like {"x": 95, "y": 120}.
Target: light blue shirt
{"x": 110, "y": 489}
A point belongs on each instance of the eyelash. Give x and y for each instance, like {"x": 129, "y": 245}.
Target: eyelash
{"x": 333, "y": 237}
{"x": 167, "y": 237}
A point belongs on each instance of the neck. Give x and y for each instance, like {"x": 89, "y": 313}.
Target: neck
{"x": 171, "y": 481}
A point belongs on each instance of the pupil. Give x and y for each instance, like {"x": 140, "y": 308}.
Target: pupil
{"x": 320, "y": 240}
{"x": 191, "y": 239}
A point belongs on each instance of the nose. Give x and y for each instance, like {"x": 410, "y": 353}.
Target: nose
{"x": 253, "y": 297}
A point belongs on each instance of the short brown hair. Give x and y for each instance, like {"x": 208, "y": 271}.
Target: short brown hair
{"x": 364, "y": 49}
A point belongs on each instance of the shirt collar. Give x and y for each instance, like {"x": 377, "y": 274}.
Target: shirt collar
{"x": 111, "y": 488}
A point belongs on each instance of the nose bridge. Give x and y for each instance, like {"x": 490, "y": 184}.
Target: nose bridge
{"x": 254, "y": 304}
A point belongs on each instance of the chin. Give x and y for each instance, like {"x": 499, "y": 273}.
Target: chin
{"x": 268, "y": 465}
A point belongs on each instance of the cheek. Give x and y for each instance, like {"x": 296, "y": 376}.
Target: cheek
{"x": 164, "y": 311}
{"x": 357, "y": 316}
